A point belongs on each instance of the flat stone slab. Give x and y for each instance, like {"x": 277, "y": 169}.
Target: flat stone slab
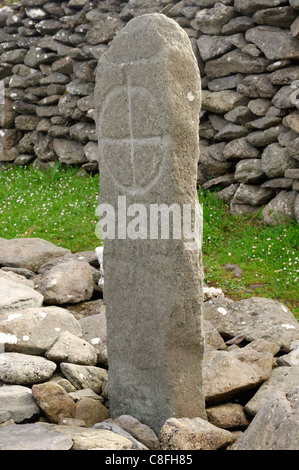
{"x": 29, "y": 253}
{"x": 15, "y": 296}
{"x": 32, "y": 437}
{"x": 34, "y": 330}
{"x": 92, "y": 439}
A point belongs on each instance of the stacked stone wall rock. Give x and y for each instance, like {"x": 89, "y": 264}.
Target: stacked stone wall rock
{"x": 248, "y": 56}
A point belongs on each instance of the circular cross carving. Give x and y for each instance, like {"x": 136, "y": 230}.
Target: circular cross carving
{"x": 132, "y": 143}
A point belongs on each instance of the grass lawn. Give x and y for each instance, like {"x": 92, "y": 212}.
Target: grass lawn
{"x": 60, "y": 205}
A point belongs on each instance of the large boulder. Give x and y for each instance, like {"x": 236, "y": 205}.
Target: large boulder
{"x": 68, "y": 282}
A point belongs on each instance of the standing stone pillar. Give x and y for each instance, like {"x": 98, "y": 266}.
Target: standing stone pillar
{"x": 147, "y": 99}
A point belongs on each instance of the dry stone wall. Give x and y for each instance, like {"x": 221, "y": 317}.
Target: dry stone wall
{"x": 248, "y": 56}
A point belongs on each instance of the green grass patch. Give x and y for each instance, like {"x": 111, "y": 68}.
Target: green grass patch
{"x": 57, "y": 205}
{"x": 60, "y": 205}
{"x": 268, "y": 256}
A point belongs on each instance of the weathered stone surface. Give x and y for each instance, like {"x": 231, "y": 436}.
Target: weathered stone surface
{"x": 28, "y": 253}
{"x": 139, "y": 431}
{"x": 26, "y": 123}
{"x": 295, "y": 28}
{"x": 275, "y": 160}
{"x": 249, "y": 171}
{"x": 16, "y": 295}
{"x": 24, "y": 369}
{"x": 227, "y": 416}
{"x": 265, "y": 137}
{"x": 84, "y": 376}
{"x": 237, "y": 25}
{"x": 83, "y": 131}
{"x": 211, "y": 47}
{"x": 280, "y": 16}
{"x": 34, "y": 330}
{"x": 274, "y": 42}
{"x": 69, "y": 151}
{"x": 283, "y": 379}
{"x": 281, "y": 209}
{"x": 79, "y": 87}
{"x": 17, "y": 403}
{"x": 275, "y": 427}
{"x": 264, "y": 122}
{"x": 225, "y": 83}
{"x": 91, "y": 151}
{"x": 69, "y": 282}
{"x": 257, "y": 86}
{"x": 91, "y": 411}
{"x": 227, "y": 373}
{"x": 257, "y": 318}
{"x": 239, "y": 115}
{"x": 32, "y": 437}
{"x": 54, "y": 401}
{"x": 285, "y": 183}
{"x": 7, "y": 115}
{"x": 210, "y": 21}
{"x": 231, "y": 131}
{"x": 293, "y": 148}
{"x": 239, "y": 149}
{"x": 9, "y": 139}
{"x": 70, "y": 348}
{"x": 92, "y": 439}
{"x": 221, "y": 101}
{"x": 259, "y": 106}
{"x": 247, "y": 7}
{"x": 193, "y": 434}
{"x": 285, "y": 76}
{"x": 292, "y": 121}
{"x": 37, "y": 56}
{"x": 235, "y": 62}
{"x": 283, "y": 98}
{"x": 252, "y": 195}
{"x": 220, "y": 181}
{"x": 227, "y": 194}
{"x": 211, "y": 166}
{"x": 94, "y": 330}
{"x": 172, "y": 102}
{"x": 110, "y": 426}
{"x": 15, "y": 56}
{"x": 104, "y": 30}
